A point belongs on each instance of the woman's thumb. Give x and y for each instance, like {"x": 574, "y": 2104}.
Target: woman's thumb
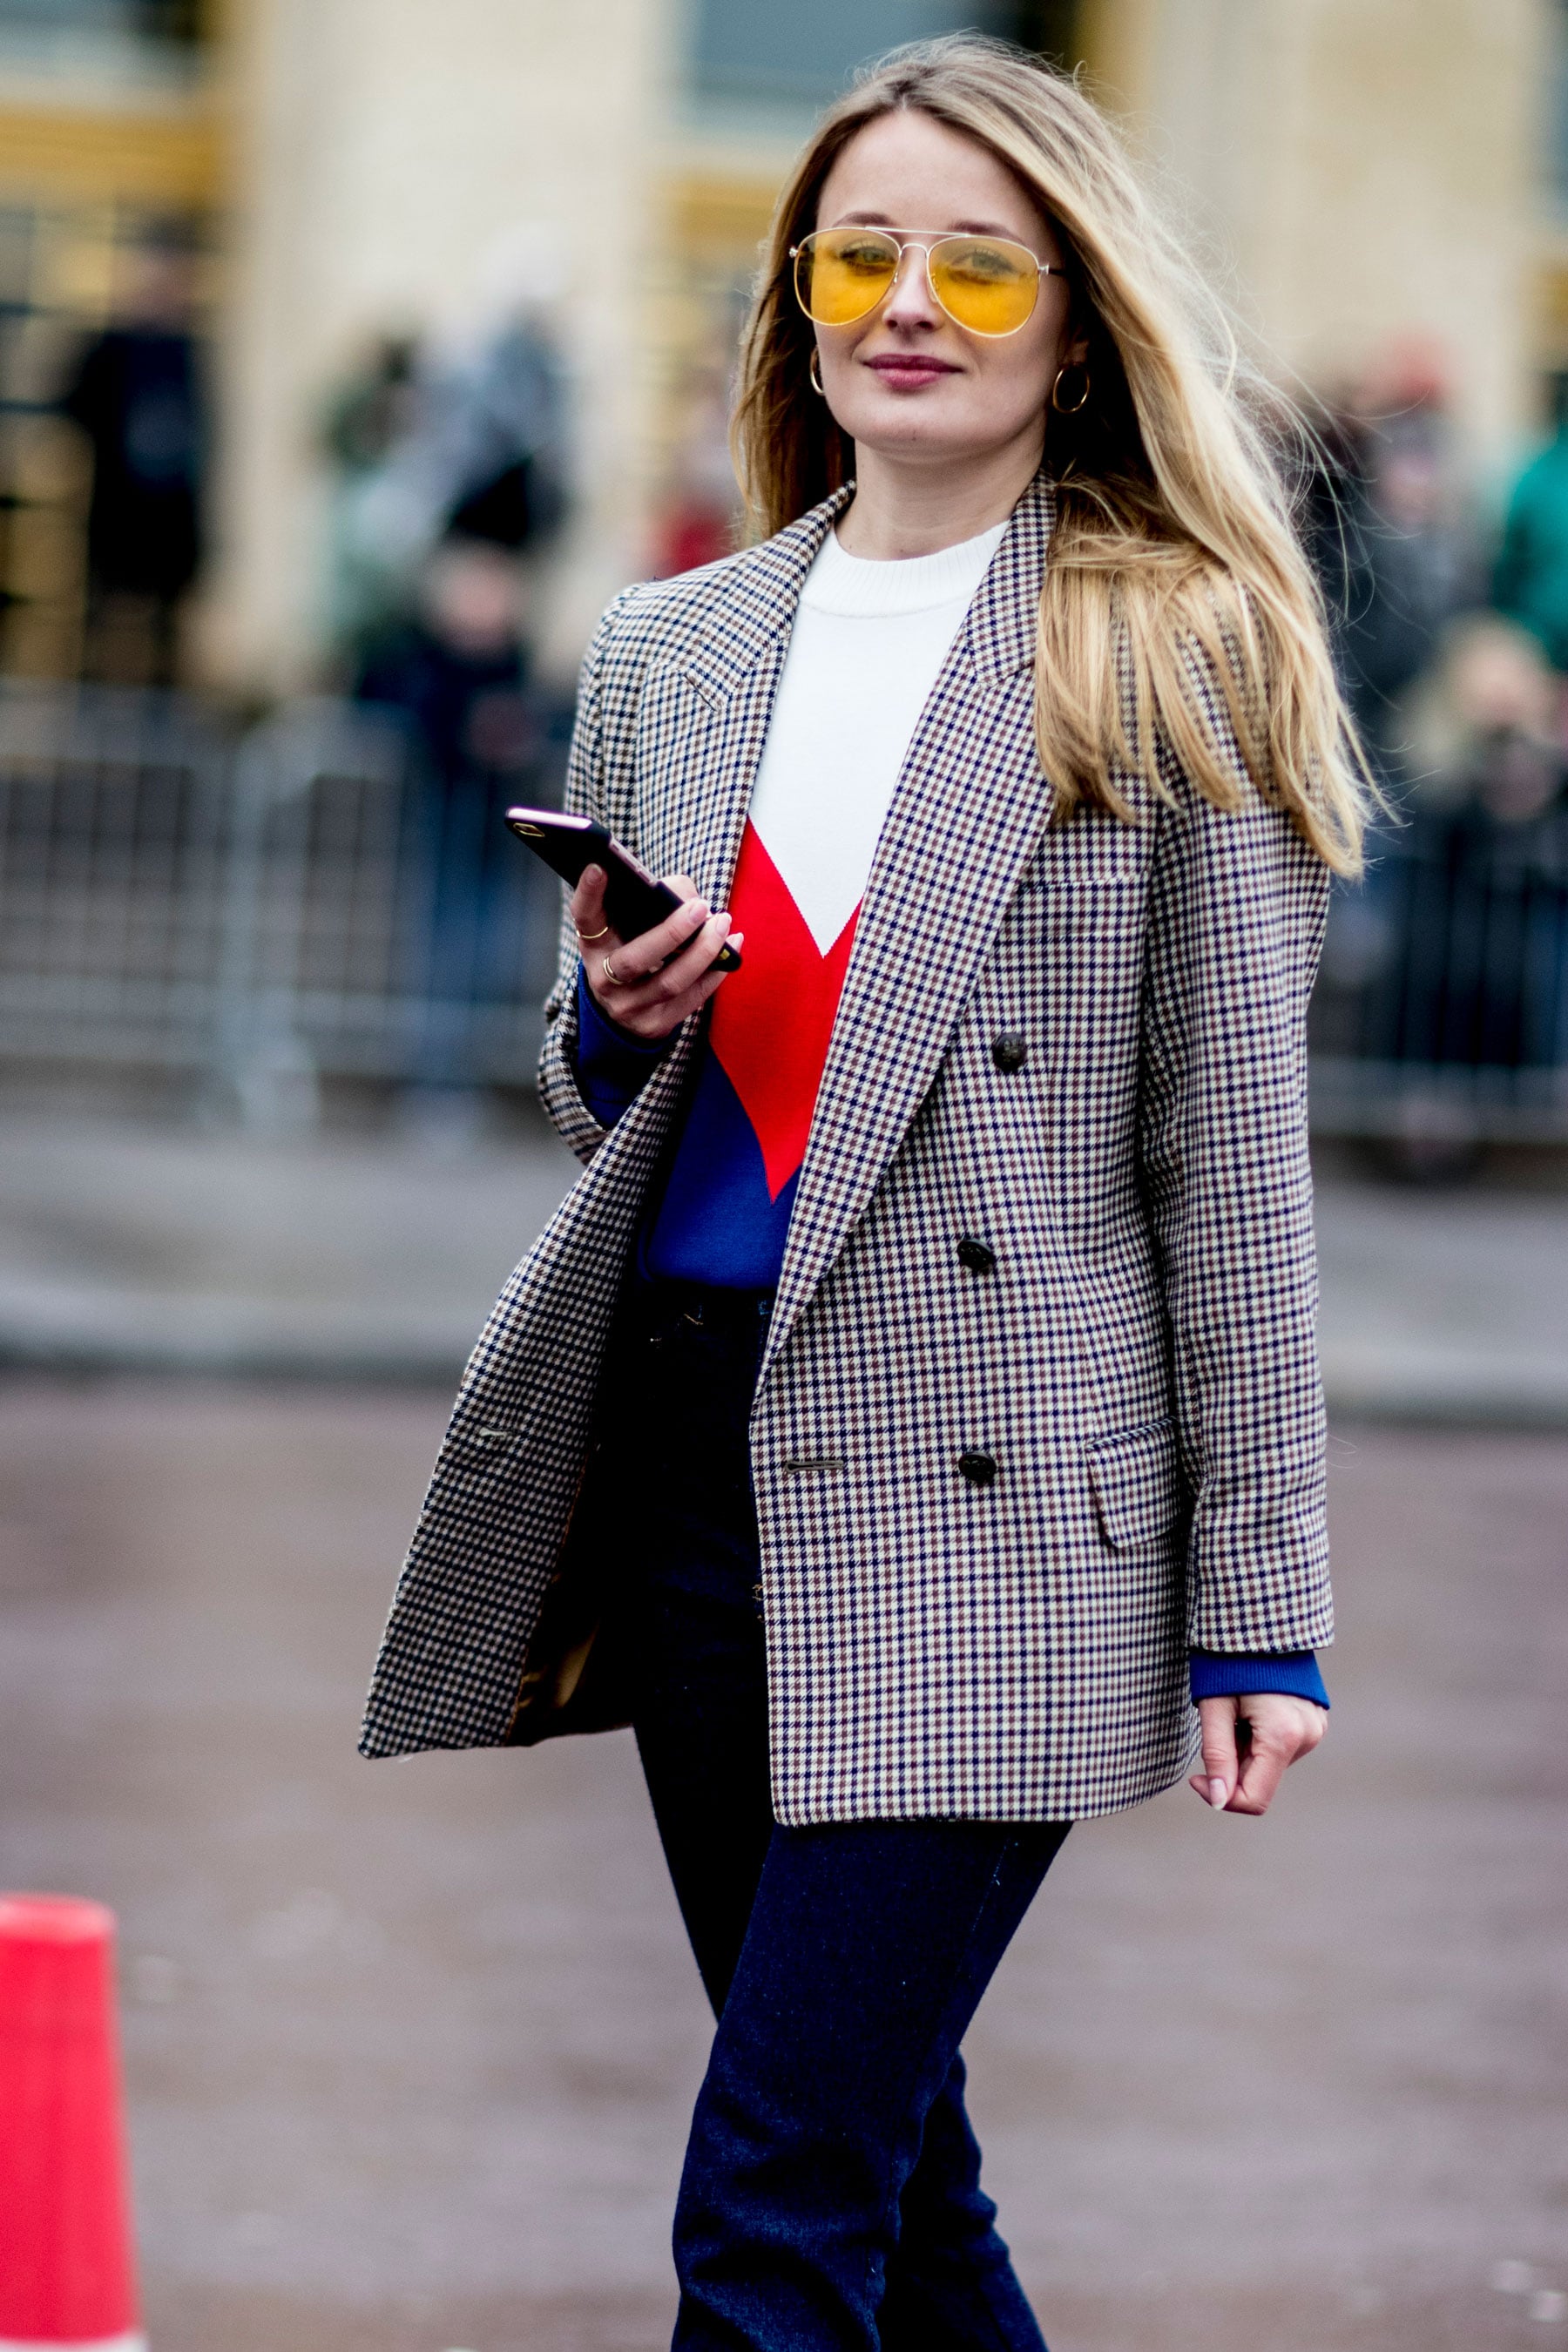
{"x": 1218, "y": 1777}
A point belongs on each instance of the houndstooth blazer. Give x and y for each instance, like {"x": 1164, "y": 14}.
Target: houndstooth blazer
{"x": 997, "y": 1506}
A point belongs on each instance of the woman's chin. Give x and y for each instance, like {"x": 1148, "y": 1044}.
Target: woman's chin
{"x": 927, "y": 439}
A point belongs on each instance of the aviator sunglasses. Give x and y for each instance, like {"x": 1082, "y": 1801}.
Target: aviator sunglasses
{"x": 987, "y": 285}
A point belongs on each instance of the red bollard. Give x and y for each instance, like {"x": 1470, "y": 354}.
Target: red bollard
{"x": 66, "y": 2276}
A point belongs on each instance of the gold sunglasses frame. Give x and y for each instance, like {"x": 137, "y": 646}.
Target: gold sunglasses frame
{"x": 912, "y": 238}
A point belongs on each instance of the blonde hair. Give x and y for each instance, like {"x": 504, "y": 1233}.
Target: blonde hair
{"x": 1173, "y": 546}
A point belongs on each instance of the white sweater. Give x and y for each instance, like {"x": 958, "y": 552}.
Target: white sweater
{"x": 869, "y": 641}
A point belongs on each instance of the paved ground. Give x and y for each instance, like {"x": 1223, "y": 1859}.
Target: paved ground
{"x": 145, "y": 1247}
{"x": 411, "y": 2045}
{"x": 178, "y": 1248}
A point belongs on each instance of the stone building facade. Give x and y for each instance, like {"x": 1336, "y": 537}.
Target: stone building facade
{"x": 1377, "y": 175}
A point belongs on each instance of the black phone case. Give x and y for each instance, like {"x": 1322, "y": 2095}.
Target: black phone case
{"x": 634, "y": 901}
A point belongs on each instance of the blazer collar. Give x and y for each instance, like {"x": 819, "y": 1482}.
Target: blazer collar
{"x": 1002, "y": 624}
{"x": 761, "y": 592}
{"x": 757, "y": 608}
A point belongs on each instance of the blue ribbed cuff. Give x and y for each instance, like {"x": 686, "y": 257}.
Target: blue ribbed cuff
{"x": 1216, "y": 1675}
{"x": 612, "y": 1069}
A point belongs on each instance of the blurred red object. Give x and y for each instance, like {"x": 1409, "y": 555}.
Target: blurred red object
{"x": 66, "y": 2274}
{"x": 1412, "y": 371}
{"x": 692, "y": 534}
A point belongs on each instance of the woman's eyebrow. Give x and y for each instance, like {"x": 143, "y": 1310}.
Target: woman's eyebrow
{"x": 955, "y": 229}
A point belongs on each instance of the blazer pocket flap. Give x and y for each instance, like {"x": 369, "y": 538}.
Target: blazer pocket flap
{"x": 1137, "y": 1481}
{"x": 482, "y": 1440}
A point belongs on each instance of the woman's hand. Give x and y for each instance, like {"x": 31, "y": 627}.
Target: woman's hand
{"x": 630, "y": 980}
{"x": 1250, "y": 1742}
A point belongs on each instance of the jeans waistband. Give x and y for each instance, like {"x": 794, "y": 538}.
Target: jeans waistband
{"x": 725, "y": 1313}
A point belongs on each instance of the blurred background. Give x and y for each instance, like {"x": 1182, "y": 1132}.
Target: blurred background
{"x": 352, "y": 356}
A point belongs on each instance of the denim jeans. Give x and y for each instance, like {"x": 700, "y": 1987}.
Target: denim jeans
{"x": 831, "y": 2194}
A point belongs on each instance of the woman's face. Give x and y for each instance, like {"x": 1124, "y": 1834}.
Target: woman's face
{"x": 907, "y": 381}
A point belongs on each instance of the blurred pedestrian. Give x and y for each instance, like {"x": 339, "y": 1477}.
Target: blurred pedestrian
{"x": 1475, "y": 905}
{"x": 439, "y": 553}
{"x": 488, "y": 418}
{"x": 918, "y": 1389}
{"x": 1486, "y": 725}
{"x": 1385, "y": 546}
{"x": 138, "y": 395}
{"x": 456, "y": 672}
{"x": 371, "y": 412}
{"x": 368, "y": 419}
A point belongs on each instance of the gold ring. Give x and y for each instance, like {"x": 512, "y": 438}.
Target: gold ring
{"x": 608, "y": 968}
{"x": 589, "y": 936}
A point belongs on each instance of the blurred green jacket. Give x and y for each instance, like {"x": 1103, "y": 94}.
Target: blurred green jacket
{"x": 1531, "y": 584}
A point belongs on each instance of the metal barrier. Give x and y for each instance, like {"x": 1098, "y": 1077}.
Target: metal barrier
{"x": 255, "y": 915}
{"x": 1441, "y": 1011}
{"x": 115, "y": 841}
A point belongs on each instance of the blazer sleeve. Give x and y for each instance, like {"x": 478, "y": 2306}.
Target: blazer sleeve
{"x": 1237, "y": 905}
{"x": 565, "y": 1105}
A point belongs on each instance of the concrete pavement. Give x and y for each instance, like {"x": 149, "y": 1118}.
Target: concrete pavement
{"x": 412, "y": 2046}
{"x": 137, "y": 1247}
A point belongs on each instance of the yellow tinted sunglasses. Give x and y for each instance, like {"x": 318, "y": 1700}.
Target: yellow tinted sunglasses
{"x": 987, "y": 285}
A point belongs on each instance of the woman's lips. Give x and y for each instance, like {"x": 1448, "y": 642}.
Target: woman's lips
{"x": 908, "y": 370}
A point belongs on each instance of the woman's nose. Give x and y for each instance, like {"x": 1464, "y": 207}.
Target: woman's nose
{"x": 910, "y": 304}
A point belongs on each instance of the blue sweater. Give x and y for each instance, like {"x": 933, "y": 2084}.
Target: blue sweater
{"x": 719, "y": 1219}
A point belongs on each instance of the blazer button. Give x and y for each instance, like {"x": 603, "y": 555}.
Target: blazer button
{"x": 978, "y": 1468}
{"x": 1009, "y": 1052}
{"x": 976, "y": 1257}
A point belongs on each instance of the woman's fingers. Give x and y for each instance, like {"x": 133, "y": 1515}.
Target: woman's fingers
{"x": 650, "y": 984}
{"x": 656, "y": 982}
{"x": 587, "y": 907}
{"x": 646, "y": 975}
{"x": 696, "y": 959}
{"x": 1270, "y": 1755}
{"x": 1279, "y": 1731}
{"x": 1218, "y": 1777}
{"x": 638, "y": 958}
{"x": 651, "y": 953}
{"x": 709, "y": 981}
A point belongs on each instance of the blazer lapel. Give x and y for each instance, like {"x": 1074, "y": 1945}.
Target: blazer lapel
{"x": 721, "y": 701}
{"x": 970, "y": 807}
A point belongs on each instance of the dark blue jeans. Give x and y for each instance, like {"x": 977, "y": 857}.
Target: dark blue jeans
{"x": 831, "y": 2196}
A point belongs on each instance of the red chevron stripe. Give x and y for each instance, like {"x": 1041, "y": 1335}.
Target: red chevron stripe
{"x": 773, "y": 1020}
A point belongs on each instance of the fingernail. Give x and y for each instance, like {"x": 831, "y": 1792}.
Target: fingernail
{"x": 1218, "y": 1792}
{"x": 725, "y": 920}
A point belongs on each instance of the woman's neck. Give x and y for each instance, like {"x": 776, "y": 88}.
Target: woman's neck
{"x": 904, "y": 506}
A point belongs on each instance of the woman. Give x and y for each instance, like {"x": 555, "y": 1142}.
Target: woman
{"x": 934, "y": 1322}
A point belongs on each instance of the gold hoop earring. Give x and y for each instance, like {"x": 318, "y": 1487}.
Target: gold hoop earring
{"x": 1070, "y": 407}
{"x": 815, "y": 373}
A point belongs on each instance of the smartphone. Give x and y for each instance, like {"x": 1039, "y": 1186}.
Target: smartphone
{"x": 634, "y": 901}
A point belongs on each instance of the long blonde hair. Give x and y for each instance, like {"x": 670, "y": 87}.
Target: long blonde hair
{"x": 1173, "y": 546}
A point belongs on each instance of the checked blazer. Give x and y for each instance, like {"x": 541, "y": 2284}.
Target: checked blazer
{"x": 1001, "y": 1492}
